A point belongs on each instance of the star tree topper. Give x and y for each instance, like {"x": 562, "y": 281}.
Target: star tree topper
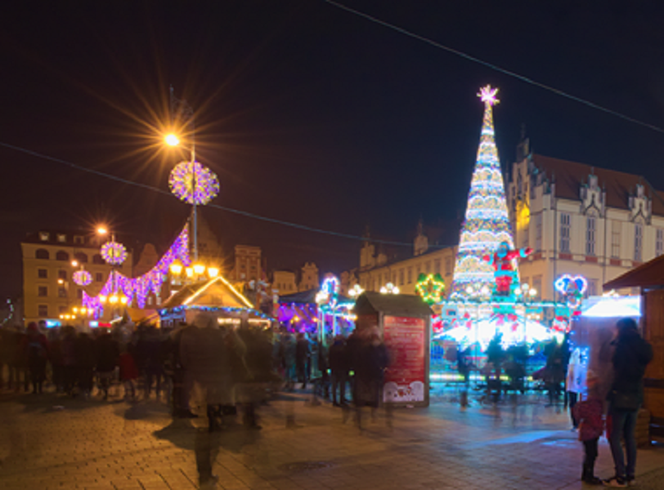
{"x": 488, "y": 95}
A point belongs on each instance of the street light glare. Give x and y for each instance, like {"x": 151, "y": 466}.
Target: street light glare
{"x": 101, "y": 230}
{"x": 172, "y": 140}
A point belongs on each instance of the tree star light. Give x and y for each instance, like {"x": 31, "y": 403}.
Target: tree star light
{"x": 488, "y": 95}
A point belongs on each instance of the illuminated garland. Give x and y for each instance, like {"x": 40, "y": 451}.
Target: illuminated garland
{"x": 140, "y": 287}
{"x": 181, "y": 183}
{"x": 431, "y": 288}
{"x": 486, "y": 222}
{"x": 82, "y": 277}
{"x": 113, "y": 252}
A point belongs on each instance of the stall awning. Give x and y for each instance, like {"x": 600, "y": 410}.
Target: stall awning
{"x": 646, "y": 275}
{"x": 392, "y": 304}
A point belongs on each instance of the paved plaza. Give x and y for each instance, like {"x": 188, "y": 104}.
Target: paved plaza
{"x": 49, "y": 442}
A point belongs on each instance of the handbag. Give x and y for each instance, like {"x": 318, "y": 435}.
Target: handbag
{"x": 625, "y": 400}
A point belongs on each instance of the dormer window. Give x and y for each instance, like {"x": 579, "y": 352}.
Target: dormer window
{"x": 62, "y": 238}
{"x": 79, "y": 240}
{"x": 44, "y": 236}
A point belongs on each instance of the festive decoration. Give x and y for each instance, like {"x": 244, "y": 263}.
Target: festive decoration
{"x": 389, "y": 288}
{"x": 486, "y": 222}
{"x": 113, "y": 252}
{"x": 200, "y": 186}
{"x": 504, "y": 262}
{"x": 142, "y": 286}
{"x": 82, "y": 277}
{"x": 355, "y": 291}
{"x": 431, "y": 288}
{"x": 572, "y": 289}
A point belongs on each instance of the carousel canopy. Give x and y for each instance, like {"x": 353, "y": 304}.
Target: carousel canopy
{"x": 308, "y": 296}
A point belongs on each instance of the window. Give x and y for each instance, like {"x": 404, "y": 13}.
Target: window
{"x": 537, "y": 285}
{"x": 97, "y": 259}
{"x": 44, "y": 236}
{"x": 592, "y": 287}
{"x": 62, "y": 275}
{"x": 42, "y": 291}
{"x": 565, "y": 220}
{"x": 638, "y": 242}
{"x": 42, "y": 254}
{"x": 590, "y": 235}
{"x": 79, "y": 240}
{"x": 448, "y": 266}
{"x": 538, "y": 232}
{"x": 410, "y": 275}
{"x": 615, "y": 239}
{"x": 525, "y": 238}
{"x": 61, "y": 238}
{"x": 42, "y": 310}
{"x": 42, "y": 273}
{"x": 394, "y": 278}
{"x": 62, "y": 292}
{"x": 436, "y": 266}
{"x": 427, "y": 267}
{"x": 62, "y": 255}
{"x": 99, "y": 277}
{"x": 659, "y": 242}
{"x": 419, "y": 270}
{"x": 81, "y": 257}
{"x": 401, "y": 277}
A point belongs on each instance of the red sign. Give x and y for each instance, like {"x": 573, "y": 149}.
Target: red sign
{"x": 405, "y": 380}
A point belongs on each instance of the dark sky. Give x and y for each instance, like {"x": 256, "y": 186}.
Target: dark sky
{"x": 307, "y": 113}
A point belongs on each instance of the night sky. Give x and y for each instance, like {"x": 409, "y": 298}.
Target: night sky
{"x": 308, "y": 113}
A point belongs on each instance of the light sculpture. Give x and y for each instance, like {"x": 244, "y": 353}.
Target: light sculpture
{"x": 197, "y": 186}
{"x": 82, "y": 277}
{"x": 431, "y": 288}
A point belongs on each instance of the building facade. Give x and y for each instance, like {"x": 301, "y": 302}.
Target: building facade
{"x": 48, "y": 288}
{"x": 376, "y": 270}
{"x": 581, "y": 220}
{"x": 247, "y": 264}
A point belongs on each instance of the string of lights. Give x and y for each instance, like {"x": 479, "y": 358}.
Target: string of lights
{"x": 215, "y": 206}
{"x": 512, "y": 74}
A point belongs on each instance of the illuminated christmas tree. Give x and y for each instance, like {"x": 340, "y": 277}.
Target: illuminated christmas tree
{"x": 487, "y": 223}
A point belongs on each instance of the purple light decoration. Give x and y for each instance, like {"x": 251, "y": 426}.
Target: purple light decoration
{"x": 182, "y": 184}
{"x": 113, "y": 252}
{"x": 140, "y": 287}
{"x": 82, "y": 277}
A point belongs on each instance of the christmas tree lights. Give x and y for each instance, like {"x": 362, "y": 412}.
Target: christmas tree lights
{"x": 486, "y": 223}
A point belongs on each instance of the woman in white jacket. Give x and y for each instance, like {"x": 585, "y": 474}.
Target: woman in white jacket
{"x": 575, "y": 383}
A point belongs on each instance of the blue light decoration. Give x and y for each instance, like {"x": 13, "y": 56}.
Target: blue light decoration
{"x": 486, "y": 222}
{"x": 140, "y": 287}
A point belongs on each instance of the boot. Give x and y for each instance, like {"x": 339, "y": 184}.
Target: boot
{"x": 589, "y": 475}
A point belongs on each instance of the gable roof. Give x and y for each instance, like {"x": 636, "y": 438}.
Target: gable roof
{"x": 570, "y": 176}
{"x": 392, "y": 304}
{"x": 216, "y": 292}
{"x": 646, "y": 275}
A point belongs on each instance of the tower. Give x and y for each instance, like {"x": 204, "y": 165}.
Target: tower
{"x": 486, "y": 222}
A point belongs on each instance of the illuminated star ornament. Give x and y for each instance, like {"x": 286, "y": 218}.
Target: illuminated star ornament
{"x": 200, "y": 187}
{"x": 113, "y": 252}
{"x": 488, "y": 95}
{"x": 431, "y": 288}
{"x": 82, "y": 278}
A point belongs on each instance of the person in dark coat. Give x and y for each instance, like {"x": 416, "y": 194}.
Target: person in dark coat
{"x": 338, "y": 370}
{"x": 18, "y": 362}
{"x": 108, "y": 356}
{"x": 631, "y": 356}
{"x": 302, "y": 356}
{"x": 370, "y": 367}
{"x": 84, "y": 353}
{"x": 150, "y": 352}
{"x": 35, "y": 347}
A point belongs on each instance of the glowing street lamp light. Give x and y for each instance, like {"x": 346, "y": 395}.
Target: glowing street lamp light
{"x": 172, "y": 139}
{"x": 102, "y": 230}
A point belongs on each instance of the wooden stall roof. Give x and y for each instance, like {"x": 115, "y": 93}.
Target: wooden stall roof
{"x": 217, "y": 292}
{"x": 646, "y": 275}
{"x": 391, "y": 304}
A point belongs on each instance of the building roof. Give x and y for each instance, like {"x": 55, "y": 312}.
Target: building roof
{"x": 570, "y": 176}
{"x": 646, "y": 275}
{"x": 215, "y": 293}
{"x": 392, "y": 304}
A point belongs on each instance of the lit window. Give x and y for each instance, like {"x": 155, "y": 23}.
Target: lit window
{"x": 44, "y": 236}
{"x": 61, "y": 238}
{"x": 565, "y": 221}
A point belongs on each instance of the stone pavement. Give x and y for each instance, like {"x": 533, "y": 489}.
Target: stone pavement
{"x": 97, "y": 445}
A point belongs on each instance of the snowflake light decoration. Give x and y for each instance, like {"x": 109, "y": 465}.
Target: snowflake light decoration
{"x": 113, "y": 252}
{"x": 488, "y": 95}
{"x": 431, "y": 288}
{"x": 181, "y": 182}
{"x": 82, "y": 277}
